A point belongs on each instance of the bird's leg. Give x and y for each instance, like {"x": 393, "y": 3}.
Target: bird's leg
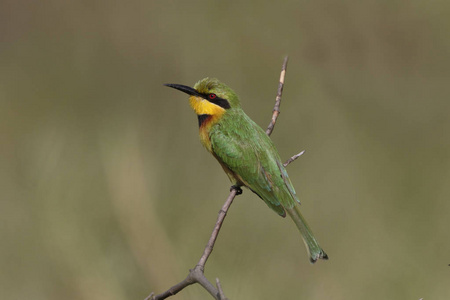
{"x": 237, "y": 188}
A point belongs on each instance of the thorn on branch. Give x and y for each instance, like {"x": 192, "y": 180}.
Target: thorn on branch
{"x": 150, "y": 297}
{"x": 219, "y": 288}
{"x": 293, "y": 158}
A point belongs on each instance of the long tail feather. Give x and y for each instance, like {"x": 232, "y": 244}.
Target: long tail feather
{"x": 314, "y": 250}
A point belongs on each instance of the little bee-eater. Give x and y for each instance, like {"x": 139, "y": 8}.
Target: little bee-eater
{"x": 247, "y": 155}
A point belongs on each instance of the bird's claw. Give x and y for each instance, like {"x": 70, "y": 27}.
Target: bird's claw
{"x": 237, "y": 189}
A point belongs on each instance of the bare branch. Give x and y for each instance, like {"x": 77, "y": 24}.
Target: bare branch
{"x": 173, "y": 290}
{"x": 196, "y": 275}
{"x": 276, "y": 109}
{"x": 219, "y": 287}
{"x": 293, "y": 158}
{"x": 222, "y": 214}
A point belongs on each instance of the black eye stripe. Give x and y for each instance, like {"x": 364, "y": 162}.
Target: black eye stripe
{"x": 218, "y": 101}
{"x": 221, "y": 102}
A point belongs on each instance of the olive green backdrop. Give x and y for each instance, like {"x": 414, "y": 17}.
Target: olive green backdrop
{"x": 106, "y": 192}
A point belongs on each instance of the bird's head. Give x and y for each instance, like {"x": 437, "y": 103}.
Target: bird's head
{"x": 209, "y": 97}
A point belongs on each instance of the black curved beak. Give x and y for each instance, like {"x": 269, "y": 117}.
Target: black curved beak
{"x": 186, "y": 89}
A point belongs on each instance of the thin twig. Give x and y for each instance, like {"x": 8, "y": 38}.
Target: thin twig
{"x": 222, "y": 214}
{"x": 173, "y": 290}
{"x": 293, "y": 158}
{"x": 219, "y": 288}
{"x": 196, "y": 275}
{"x": 276, "y": 109}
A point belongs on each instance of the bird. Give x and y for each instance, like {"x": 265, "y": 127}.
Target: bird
{"x": 246, "y": 153}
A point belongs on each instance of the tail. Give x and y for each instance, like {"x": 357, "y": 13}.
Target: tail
{"x": 314, "y": 250}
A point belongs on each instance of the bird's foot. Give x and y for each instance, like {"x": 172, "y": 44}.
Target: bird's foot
{"x": 237, "y": 188}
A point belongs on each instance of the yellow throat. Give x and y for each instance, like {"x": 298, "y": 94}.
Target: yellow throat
{"x": 204, "y": 107}
{"x": 213, "y": 114}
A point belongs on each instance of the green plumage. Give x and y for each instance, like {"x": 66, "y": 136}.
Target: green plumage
{"x": 243, "y": 147}
{"x": 250, "y": 158}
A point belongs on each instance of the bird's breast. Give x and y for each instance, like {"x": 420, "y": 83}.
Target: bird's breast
{"x": 205, "y": 122}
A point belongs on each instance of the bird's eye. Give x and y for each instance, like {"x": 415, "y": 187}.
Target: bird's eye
{"x": 212, "y": 96}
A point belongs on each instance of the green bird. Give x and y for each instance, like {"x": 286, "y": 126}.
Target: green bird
{"x": 247, "y": 155}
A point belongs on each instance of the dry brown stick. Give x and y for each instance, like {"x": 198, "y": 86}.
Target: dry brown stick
{"x": 196, "y": 275}
{"x": 219, "y": 287}
{"x": 293, "y": 158}
{"x": 222, "y": 214}
{"x": 276, "y": 109}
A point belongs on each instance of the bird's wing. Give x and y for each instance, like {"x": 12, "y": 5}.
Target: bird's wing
{"x": 256, "y": 164}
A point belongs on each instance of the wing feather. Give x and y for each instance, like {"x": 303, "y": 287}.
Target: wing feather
{"x": 251, "y": 156}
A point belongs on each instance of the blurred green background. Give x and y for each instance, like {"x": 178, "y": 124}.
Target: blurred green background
{"x": 106, "y": 192}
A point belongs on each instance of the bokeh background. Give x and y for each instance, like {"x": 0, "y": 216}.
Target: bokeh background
{"x": 106, "y": 192}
